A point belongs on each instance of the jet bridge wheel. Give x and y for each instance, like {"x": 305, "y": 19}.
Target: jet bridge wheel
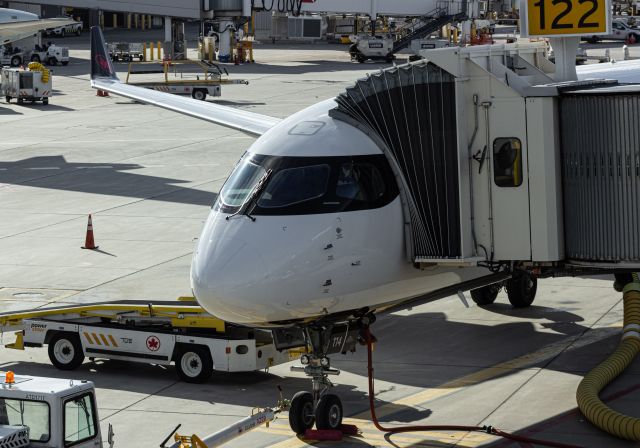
{"x": 329, "y": 412}
{"x": 521, "y": 289}
{"x": 487, "y": 294}
{"x": 65, "y": 350}
{"x": 301, "y": 412}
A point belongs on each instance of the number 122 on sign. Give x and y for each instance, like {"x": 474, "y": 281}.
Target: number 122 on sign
{"x": 566, "y": 17}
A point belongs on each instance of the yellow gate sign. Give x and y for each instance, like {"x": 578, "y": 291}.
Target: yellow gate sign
{"x": 549, "y": 18}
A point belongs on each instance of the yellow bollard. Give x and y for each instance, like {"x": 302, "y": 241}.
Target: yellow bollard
{"x": 455, "y": 36}
{"x": 144, "y": 51}
{"x": 159, "y": 51}
{"x": 128, "y": 21}
{"x": 210, "y": 52}
{"x": 149, "y": 22}
{"x": 115, "y": 20}
{"x": 142, "y": 17}
{"x": 102, "y": 20}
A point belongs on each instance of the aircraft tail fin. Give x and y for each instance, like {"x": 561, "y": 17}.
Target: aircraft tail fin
{"x": 101, "y": 66}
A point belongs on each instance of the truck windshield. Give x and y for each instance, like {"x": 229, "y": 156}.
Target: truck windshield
{"x": 34, "y": 414}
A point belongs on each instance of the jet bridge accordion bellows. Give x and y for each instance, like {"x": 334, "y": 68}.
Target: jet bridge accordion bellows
{"x": 601, "y": 175}
{"x": 411, "y": 112}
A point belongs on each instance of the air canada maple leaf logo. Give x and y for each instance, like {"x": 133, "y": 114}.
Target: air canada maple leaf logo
{"x": 153, "y": 343}
{"x": 102, "y": 63}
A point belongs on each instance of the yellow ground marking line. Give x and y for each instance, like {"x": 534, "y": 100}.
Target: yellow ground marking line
{"x": 451, "y": 387}
{"x": 524, "y": 361}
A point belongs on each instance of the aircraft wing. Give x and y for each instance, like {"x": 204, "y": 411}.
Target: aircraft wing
{"x": 12, "y": 31}
{"x": 626, "y": 72}
{"x": 103, "y": 77}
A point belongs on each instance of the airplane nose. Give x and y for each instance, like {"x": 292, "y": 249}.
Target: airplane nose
{"x": 226, "y": 273}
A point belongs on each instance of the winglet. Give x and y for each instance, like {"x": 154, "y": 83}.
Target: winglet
{"x": 101, "y": 66}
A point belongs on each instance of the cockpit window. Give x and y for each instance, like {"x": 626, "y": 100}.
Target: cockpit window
{"x": 308, "y": 185}
{"x": 294, "y": 185}
{"x": 241, "y": 183}
{"x": 360, "y": 182}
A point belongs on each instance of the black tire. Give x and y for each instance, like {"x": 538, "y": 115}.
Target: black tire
{"x": 63, "y": 33}
{"x": 593, "y": 40}
{"x": 65, "y": 62}
{"x": 65, "y": 351}
{"x": 20, "y": 100}
{"x": 301, "y": 415}
{"x": 329, "y": 412}
{"x": 35, "y": 58}
{"x": 7, "y": 98}
{"x": 486, "y": 295}
{"x": 361, "y": 59}
{"x": 521, "y": 289}
{"x": 194, "y": 363}
{"x": 78, "y": 32}
{"x": 16, "y": 61}
{"x": 52, "y": 61}
{"x": 45, "y": 101}
{"x": 199, "y": 94}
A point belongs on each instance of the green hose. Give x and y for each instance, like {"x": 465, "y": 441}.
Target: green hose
{"x": 589, "y": 402}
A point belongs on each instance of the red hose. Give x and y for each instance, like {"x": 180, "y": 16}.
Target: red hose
{"x": 421, "y": 428}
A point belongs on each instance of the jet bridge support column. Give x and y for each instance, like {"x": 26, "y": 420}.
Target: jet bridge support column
{"x": 565, "y": 50}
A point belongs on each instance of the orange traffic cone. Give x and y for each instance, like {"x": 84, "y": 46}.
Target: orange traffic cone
{"x": 88, "y": 242}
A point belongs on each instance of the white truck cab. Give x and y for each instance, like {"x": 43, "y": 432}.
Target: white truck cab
{"x": 49, "y": 412}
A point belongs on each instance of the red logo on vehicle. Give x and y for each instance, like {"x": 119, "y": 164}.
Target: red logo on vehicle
{"x": 153, "y": 343}
{"x": 102, "y": 62}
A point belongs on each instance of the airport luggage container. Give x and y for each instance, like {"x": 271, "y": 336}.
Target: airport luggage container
{"x": 125, "y": 51}
{"x": 161, "y": 333}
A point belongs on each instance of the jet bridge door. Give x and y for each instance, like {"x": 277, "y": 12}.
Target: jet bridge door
{"x": 507, "y": 173}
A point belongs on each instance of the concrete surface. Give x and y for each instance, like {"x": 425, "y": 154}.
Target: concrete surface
{"x": 149, "y": 177}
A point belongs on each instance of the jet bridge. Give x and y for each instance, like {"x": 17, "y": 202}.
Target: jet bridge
{"x": 500, "y": 165}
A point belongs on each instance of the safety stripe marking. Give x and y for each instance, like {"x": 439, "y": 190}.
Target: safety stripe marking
{"x": 96, "y": 339}
{"x": 113, "y": 341}
{"x": 104, "y": 340}
{"x": 88, "y": 336}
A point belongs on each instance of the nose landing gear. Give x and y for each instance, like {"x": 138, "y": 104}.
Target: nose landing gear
{"x": 319, "y": 406}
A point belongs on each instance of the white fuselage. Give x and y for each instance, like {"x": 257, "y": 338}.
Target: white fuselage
{"x": 280, "y": 268}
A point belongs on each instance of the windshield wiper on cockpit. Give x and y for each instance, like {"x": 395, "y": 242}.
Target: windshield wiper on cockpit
{"x": 244, "y": 208}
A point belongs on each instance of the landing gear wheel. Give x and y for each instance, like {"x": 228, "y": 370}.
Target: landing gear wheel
{"x": 301, "y": 416}
{"x": 521, "y": 289}
{"x": 329, "y": 412}
{"x": 486, "y": 295}
{"x": 65, "y": 351}
{"x": 194, "y": 364}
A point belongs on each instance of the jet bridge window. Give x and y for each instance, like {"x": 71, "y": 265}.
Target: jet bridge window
{"x": 34, "y": 414}
{"x": 79, "y": 420}
{"x": 295, "y": 185}
{"x": 507, "y": 162}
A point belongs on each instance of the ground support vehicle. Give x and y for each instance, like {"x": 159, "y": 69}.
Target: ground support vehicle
{"x": 620, "y": 30}
{"x": 61, "y": 31}
{"x": 126, "y": 52}
{"x": 32, "y": 85}
{"x": 160, "y": 333}
{"x": 47, "y": 412}
{"x": 179, "y": 80}
{"x": 50, "y": 55}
